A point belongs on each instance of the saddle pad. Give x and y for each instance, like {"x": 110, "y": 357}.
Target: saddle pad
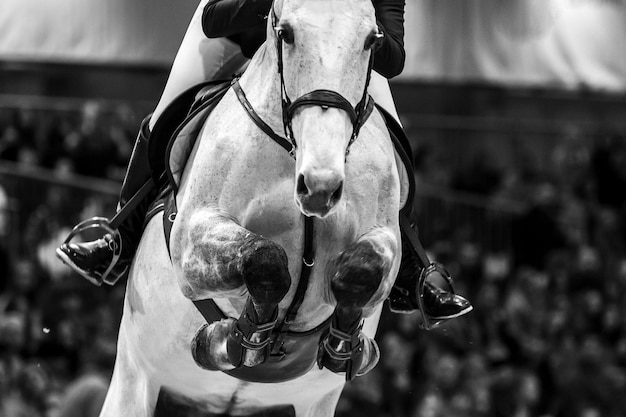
{"x": 170, "y": 120}
{"x": 404, "y": 161}
{"x": 185, "y": 136}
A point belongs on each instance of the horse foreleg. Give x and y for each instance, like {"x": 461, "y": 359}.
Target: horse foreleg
{"x": 265, "y": 273}
{"x": 360, "y": 281}
{"x": 223, "y": 259}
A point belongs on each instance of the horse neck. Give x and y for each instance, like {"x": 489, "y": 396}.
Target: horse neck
{"x": 261, "y": 83}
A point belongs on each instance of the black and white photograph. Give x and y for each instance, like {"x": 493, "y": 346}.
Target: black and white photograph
{"x": 313, "y": 208}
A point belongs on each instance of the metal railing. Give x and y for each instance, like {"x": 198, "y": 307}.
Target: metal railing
{"x": 41, "y": 202}
{"x": 451, "y": 216}
{"x": 441, "y": 214}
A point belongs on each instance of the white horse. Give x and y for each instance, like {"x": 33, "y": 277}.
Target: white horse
{"x": 239, "y": 237}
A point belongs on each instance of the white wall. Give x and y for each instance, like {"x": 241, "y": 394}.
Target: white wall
{"x": 562, "y": 43}
{"x": 119, "y": 31}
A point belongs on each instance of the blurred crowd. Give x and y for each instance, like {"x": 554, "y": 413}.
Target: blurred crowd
{"x": 547, "y": 336}
{"x": 57, "y": 332}
{"x": 95, "y": 141}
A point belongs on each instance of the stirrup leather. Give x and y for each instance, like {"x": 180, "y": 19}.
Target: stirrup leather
{"x": 104, "y": 224}
{"x": 428, "y": 323}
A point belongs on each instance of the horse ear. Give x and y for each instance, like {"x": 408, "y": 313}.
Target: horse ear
{"x": 277, "y": 8}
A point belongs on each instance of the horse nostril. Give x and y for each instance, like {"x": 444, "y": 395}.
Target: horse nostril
{"x": 301, "y": 187}
{"x": 336, "y": 196}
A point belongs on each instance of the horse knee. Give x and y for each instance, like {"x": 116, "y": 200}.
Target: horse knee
{"x": 264, "y": 270}
{"x": 359, "y": 272}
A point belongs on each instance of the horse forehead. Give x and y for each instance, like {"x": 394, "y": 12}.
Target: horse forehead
{"x": 295, "y": 4}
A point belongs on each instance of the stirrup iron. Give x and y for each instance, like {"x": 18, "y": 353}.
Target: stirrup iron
{"x": 102, "y": 223}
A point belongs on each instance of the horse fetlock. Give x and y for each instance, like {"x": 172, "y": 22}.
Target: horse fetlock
{"x": 209, "y": 346}
{"x": 265, "y": 270}
{"x": 249, "y": 337}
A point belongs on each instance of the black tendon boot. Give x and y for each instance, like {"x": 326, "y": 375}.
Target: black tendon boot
{"x": 438, "y": 304}
{"x": 94, "y": 260}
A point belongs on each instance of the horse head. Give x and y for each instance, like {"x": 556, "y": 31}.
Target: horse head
{"x": 324, "y": 51}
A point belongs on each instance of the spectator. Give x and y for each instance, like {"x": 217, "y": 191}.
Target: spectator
{"x": 608, "y": 166}
{"x": 85, "y": 396}
{"x": 5, "y": 257}
{"x": 536, "y": 233}
{"x": 547, "y": 337}
{"x": 91, "y": 150}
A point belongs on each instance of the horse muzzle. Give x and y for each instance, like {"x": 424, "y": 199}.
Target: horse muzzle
{"x": 317, "y": 193}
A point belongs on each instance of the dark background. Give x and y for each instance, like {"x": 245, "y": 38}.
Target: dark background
{"x": 521, "y": 193}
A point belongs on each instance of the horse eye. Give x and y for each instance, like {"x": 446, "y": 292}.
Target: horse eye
{"x": 285, "y": 33}
{"x": 374, "y": 41}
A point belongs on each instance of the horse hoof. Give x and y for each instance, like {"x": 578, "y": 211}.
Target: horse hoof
{"x": 208, "y": 346}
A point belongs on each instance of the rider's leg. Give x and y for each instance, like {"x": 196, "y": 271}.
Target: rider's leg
{"x": 438, "y": 304}
{"x": 198, "y": 60}
{"x": 91, "y": 259}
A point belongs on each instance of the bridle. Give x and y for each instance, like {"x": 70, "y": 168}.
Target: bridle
{"x": 321, "y": 97}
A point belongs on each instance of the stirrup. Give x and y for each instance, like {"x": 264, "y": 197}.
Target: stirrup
{"x": 104, "y": 224}
{"x": 428, "y": 323}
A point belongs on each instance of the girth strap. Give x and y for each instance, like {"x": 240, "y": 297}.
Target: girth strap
{"x": 308, "y": 261}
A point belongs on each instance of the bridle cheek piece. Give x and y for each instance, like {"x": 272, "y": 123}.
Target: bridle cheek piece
{"x": 321, "y": 97}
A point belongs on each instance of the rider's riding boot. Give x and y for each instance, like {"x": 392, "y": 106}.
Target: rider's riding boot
{"x": 92, "y": 259}
{"x": 438, "y": 304}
